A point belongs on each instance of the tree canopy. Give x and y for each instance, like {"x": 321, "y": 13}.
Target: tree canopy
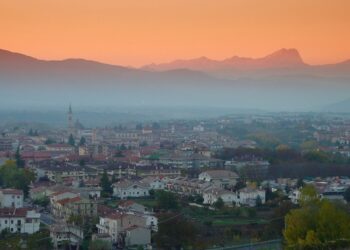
{"x": 317, "y": 224}
{"x": 106, "y": 185}
{"x": 12, "y": 176}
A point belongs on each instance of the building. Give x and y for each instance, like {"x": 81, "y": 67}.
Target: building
{"x": 11, "y": 198}
{"x": 155, "y": 183}
{"x": 62, "y": 233}
{"x": 136, "y": 235}
{"x": 250, "y": 196}
{"x": 6, "y": 144}
{"x": 125, "y": 229}
{"x": 127, "y": 188}
{"x": 212, "y": 195}
{"x": 19, "y": 220}
{"x": 64, "y": 208}
{"x": 220, "y": 178}
{"x": 129, "y": 205}
{"x": 244, "y": 197}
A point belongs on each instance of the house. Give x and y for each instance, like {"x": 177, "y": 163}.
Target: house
{"x": 61, "y": 233}
{"x": 129, "y": 205}
{"x": 249, "y": 196}
{"x": 155, "y": 183}
{"x": 120, "y": 227}
{"x": 246, "y": 196}
{"x": 19, "y": 220}
{"x": 212, "y": 195}
{"x": 127, "y": 188}
{"x": 136, "y": 235}
{"x": 11, "y": 198}
{"x": 60, "y": 172}
{"x": 64, "y": 208}
{"x": 220, "y": 178}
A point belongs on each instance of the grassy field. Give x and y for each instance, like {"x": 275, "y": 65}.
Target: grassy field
{"x": 237, "y": 221}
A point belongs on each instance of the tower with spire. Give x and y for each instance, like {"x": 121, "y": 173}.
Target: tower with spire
{"x": 70, "y": 119}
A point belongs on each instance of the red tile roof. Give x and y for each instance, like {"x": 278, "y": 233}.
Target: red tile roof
{"x": 13, "y": 212}
{"x": 11, "y": 191}
{"x": 68, "y": 200}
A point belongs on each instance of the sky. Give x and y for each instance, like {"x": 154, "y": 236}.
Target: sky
{"x": 139, "y": 32}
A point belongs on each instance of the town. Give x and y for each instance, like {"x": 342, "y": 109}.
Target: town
{"x": 204, "y": 184}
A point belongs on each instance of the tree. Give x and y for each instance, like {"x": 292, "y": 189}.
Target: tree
{"x": 44, "y": 201}
{"x": 300, "y": 183}
{"x": 71, "y": 140}
{"x": 40, "y": 240}
{"x": 114, "y": 179}
{"x": 12, "y": 176}
{"x": 82, "y": 162}
{"x": 175, "y": 232}
{"x": 317, "y": 224}
{"x": 106, "y": 185}
{"x": 258, "y": 201}
{"x": 347, "y": 194}
{"x": 123, "y": 147}
{"x": 50, "y": 141}
{"x": 166, "y": 200}
{"x": 82, "y": 141}
{"x": 19, "y": 161}
{"x": 219, "y": 204}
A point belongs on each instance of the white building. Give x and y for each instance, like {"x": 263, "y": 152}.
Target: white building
{"x": 127, "y": 188}
{"x": 212, "y": 195}
{"x": 245, "y": 196}
{"x": 62, "y": 233}
{"x": 220, "y": 178}
{"x": 11, "y": 198}
{"x": 198, "y": 128}
{"x": 19, "y": 220}
{"x": 118, "y": 223}
{"x": 249, "y": 196}
{"x": 155, "y": 183}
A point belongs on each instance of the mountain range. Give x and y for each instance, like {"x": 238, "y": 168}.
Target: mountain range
{"x": 279, "y": 81}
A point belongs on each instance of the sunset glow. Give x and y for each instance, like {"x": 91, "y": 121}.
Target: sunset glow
{"x": 138, "y": 32}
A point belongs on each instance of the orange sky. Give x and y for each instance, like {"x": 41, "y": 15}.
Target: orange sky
{"x": 137, "y": 32}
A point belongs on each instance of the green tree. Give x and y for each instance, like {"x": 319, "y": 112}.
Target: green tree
{"x": 317, "y": 224}
{"x": 175, "y": 232}
{"x": 219, "y": 204}
{"x": 106, "y": 185}
{"x": 166, "y": 200}
{"x": 50, "y": 141}
{"x": 19, "y": 161}
{"x": 40, "y": 240}
{"x": 12, "y": 176}
{"x": 82, "y": 141}
{"x": 347, "y": 194}
{"x": 44, "y": 201}
{"x": 71, "y": 140}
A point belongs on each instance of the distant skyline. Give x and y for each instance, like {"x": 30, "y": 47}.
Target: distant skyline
{"x": 139, "y": 32}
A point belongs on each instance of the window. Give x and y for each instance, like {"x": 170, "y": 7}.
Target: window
{"x": 5, "y": 221}
{"x": 11, "y": 221}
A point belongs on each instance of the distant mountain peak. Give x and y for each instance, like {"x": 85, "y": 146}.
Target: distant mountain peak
{"x": 286, "y": 56}
{"x": 283, "y": 58}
